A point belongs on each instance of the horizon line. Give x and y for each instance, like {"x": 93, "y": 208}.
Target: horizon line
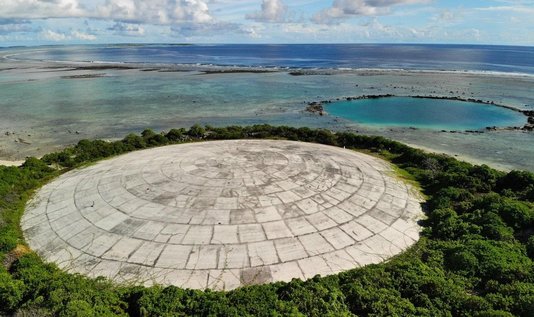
{"x": 264, "y": 43}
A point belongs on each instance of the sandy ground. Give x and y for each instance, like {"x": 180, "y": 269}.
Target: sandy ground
{"x": 465, "y": 158}
{"x": 11, "y": 163}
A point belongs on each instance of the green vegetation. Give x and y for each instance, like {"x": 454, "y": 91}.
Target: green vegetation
{"x": 475, "y": 257}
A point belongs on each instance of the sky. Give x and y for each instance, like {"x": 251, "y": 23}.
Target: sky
{"x": 44, "y": 22}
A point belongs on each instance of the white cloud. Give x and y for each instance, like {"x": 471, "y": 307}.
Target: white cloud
{"x": 207, "y": 29}
{"x": 447, "y": 16}
{"x": 288, "y": 21}
{"x": 15, "y": 28}
{"x": 83, "y": 36}
{"x": 53, "y": 36}
{"x": 152, "y": 11}
{"x": 342, "y": 9}
{"x": 156, "y": 11}
{"x": 41, "y": 9}
{"x": 127, "y": 29}
{"x": 271, "y": 11}
{"x": 373, "y": 30}
{"x": 9, "y": 26}
{"x": 515, "y": 9}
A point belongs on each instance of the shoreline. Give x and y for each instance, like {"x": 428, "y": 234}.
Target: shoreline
{"x": 453, "y": 98}
{"x": 460, "y": 157}
{"x": 463, "y": 157}
{"x": 11, "y": 162}
{"x": 230, "y": 69}
{"x": 316, "y": 107}
{"x": 8, "y": 160}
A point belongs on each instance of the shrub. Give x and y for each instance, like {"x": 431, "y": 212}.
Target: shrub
{"x": 493, "y": 313}
{"x": 517, "y": 214}
{"x": 462, "y": 261}
{"x": 134, "y": 142}
{"x": 175, "y": 134}
{"x": 445, "y": 224}
{"x": 196, "y": 131}
{"x": 530, "y": 247}
{"x": 11, "y": 291}
{"x": 78, "y": 308}
{"x": 519, "y": 183}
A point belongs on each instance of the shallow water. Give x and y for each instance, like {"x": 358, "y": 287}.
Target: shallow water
{"x": 425, "y": 113}
{"x": 47, "y": 106}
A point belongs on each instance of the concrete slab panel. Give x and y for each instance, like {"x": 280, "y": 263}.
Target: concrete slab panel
{"x": 223, "y": 214}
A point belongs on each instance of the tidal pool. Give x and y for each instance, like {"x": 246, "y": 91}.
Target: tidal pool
{"x": 425, "y": 113}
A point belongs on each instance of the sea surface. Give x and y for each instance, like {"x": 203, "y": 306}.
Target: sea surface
{"x": 515, "y": 59}
{"x": 56, "y": 95}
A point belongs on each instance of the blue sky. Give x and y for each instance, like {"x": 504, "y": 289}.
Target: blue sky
{"x": 37, "y": 22}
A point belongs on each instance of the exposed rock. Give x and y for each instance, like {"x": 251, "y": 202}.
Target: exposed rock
{"x": 369, "y": 97}
{"x": 83, "y": 76}
{"x": 315, "y": 107}
{"x": 527, "y": 127}
{"x": 21, "y": 140}
{"x": 474, "y": 131}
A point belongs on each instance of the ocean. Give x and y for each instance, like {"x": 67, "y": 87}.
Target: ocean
{"x": 509, "y": 59}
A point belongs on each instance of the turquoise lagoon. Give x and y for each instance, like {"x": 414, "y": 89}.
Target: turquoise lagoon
{"x": 425, "y": 113}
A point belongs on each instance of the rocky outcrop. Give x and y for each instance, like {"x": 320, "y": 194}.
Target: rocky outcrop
{"x": 527, "y": 127}
{"x": 369, "y": 97}
{"x": 316, "y": 108}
